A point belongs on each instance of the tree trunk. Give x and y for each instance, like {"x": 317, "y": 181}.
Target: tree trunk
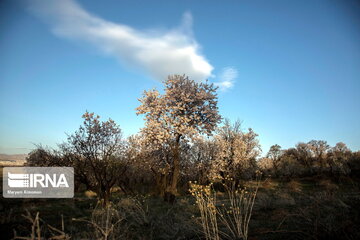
{"x": 171, "y": 190}
{"x": 176, "y": 172}
{"x": 104, "y": 195}
{"x": 106, "y": 198}
{"x": 161, "y": 184}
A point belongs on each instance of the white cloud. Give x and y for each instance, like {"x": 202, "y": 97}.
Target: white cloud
{"x": 158, "y": 53}
{"x": 227, "y": 78}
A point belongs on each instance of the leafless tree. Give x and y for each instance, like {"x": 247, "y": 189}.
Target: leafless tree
{"x": 95, "y": 151}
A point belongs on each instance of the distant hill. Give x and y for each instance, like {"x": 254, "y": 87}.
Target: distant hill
{"x": 12, "y": 159}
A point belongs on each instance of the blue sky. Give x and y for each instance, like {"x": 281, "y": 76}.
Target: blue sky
{"x": 288, "y": 69}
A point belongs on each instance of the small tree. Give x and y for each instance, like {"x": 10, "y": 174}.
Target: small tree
{"x": 237, "y": 152}
{"x": 274, "y": 155}
{"x": 201, "y": 155}
{"x": 337, "y": 159}
{"x": 302, "y": 153}
{"x": 319, "y": 150}
{"x": 43, "y": 157}
{"x": 185, "y": 110}
{"x": 95, "y": 152}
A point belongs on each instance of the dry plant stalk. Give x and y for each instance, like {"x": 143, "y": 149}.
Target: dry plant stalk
{"x": 206, "y": 200}
{"x": 36, "y": 229}
{"x": 235, "y": 217}
{"x": 241, "y": 201}
{"x": 133, "y": 207}
{"x": 104, "y": 220}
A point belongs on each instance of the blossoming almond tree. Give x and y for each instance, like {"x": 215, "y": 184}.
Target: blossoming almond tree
{"x": 237, "y": 151}
{"x": 186, "y": 110}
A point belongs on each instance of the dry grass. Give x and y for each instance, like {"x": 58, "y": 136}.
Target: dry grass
{"x": 278, "y": 213}
{"x": 117, "y": 220}
{"x": 294, "y": 186}
{"x": 90, "y": 194}
{"x": 105, "y": 221}
{"x": 269, "y": 184}
{"x": 327, "y": 185}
